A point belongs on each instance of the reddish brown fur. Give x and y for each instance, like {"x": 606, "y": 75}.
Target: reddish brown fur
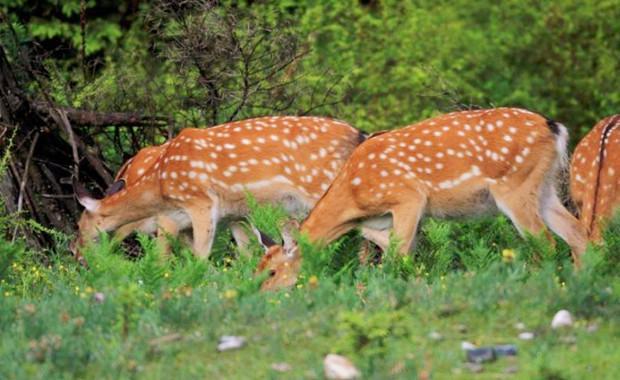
{"x": 135, "y": 167}
{"x": 595, "y": 184}
{"x": 202, "y": 175}
{"x": 456, "y": 164}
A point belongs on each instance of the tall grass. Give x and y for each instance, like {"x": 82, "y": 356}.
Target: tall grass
{"x": 59, "y": 320}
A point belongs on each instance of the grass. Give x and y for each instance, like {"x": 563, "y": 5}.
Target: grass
{"x": 470, "y": 281}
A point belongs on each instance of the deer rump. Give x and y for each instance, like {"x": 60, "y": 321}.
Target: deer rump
{"x": 595, "y": 175}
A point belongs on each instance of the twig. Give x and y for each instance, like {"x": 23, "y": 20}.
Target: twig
{"x": 57, "y": 196}
{"x": 22, "y": 185}
{"x": 60, "y": 117}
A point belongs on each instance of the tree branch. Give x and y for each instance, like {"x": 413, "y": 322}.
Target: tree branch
{"x": 100, "y": 119}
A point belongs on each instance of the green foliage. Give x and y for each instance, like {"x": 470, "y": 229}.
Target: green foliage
{"x": 391, "y": 63}
{"x": 60, "y": 320}
{"x": 370, "y": 336}
{"x": 265, "y": 217}
{"x": 611, "y": 246}
{"x": 401, "y": 62}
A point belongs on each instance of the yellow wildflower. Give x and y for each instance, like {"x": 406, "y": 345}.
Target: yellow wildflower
{"x": 313, "y": 281}
{"x": 508, "y": 255}
{"x": 230, "y": 294}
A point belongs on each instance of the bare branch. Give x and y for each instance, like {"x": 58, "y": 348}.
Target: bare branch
{"x": 100, "y": 119}
{"x": 22, "y": 185}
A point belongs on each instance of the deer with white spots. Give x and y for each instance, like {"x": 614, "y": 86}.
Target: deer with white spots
{"x": 131, "y": 172}
{"x": 458, "y": 164}
{"x": 595, "y": 175}
{"x": 203, "y": 176}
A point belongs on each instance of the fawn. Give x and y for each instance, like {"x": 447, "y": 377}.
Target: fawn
{"x": 202, "y": 176}
{"x": 459, "y": 164}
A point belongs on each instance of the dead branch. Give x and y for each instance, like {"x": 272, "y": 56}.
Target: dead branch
{"x": 100, "y": 119}
{"x": 22, "y": 185}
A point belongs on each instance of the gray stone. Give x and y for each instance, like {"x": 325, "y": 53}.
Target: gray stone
{"x": 230, "y": 342}
{"x": 481, "y": 355}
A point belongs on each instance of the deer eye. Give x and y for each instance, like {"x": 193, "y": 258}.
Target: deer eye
{"x": 272, "y": 273}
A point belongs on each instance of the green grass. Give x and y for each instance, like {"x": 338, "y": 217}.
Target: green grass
{"x": 458, "y": 284}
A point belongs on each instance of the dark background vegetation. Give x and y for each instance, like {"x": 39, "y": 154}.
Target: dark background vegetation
{"x": 150, "y": 68}
{"x": 85, "y": 84}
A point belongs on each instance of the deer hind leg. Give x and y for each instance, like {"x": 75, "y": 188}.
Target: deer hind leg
{"x": 380, "y": 237}
{"x": 406, "y": 217}
{"x": 563, "y": 223}
{"x": 166, "y": 228}
{"x": 204, "y": 221}
{"x": 522, "y": 207}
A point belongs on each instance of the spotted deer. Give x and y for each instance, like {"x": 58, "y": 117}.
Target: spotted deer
{"x": 130, "y": 173}
{"x": 595, "y": 175}
{"x": 203, "y": 176}
{"x": 458, "y": 164}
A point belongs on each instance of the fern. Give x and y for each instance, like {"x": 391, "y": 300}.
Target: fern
{"x": 150, "y": 268}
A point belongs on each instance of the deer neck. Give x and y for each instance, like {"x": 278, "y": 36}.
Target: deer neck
{"x": 133, "y": 203}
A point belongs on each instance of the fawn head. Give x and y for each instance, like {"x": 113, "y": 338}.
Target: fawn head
{"x": 93, "y": 220}
{"x": 281, "y": 262}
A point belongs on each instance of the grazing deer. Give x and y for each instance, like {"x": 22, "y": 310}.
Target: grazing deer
{"x": 595, "y": 175}
{"x": 130, "y": 173}
{"x": 202, "y": 176}
{"x": 458, "y": 164}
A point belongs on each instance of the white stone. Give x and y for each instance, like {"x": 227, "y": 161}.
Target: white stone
{"x": 338, "y": 367}
{"x": 229, "y": 342}
{"x": 526, "y": 335}
{"x": 465, "y": 346}
{"x": 562, "y": 318}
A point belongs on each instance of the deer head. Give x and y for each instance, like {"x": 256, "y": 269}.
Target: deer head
{"x": 281, "y": 262}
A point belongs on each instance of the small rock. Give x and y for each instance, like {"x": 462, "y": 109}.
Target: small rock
{"x": 562, "y": 318}
{"x": 526, "y": 335}
{"x": 230, "y": 342}
{"x": 481, "y": 355}
{"x": 592, "y": 328}
{"x": 505, "y": 350}
{"x": 511, "y": 369}
{"x": 520, "y": 326}
{"x": 99, "y": 297}
{"x": 570, "y": 339}
{"x": 434, "y": 335}
{"x": 461, "y": 328}
{"x": 338, "y": 367}
{"x": 474, "y": 367}
{"x": 281, "y": 367}
{"x": 465, "y": 346}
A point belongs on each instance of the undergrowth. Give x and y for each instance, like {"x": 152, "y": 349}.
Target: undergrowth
{"x": 161, "y": 316}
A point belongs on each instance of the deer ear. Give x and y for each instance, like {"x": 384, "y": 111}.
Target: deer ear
{"x": 83, "y": 196}
{"x": 288, "y": 230}
{"x": 115, "y": 187}
{"x": 264, "y": 239}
